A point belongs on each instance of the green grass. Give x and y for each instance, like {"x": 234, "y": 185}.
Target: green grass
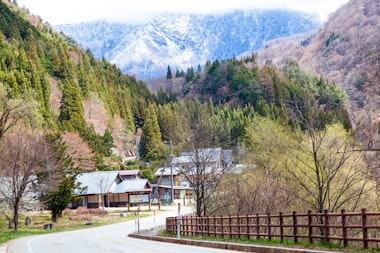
{"x": 277, "y": 242}
{"x": 63, "y": 224}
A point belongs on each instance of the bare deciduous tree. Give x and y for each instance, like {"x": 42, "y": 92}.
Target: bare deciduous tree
{"x": 204, "y": 168}
{"x": 204, "y": 173}
{"x": 103, "y": 181}
{"x": 329, "y": 173}
{"x": 253, "y": 191}
{"x": 24, "y": 155}
{"x": 262, "y": 186}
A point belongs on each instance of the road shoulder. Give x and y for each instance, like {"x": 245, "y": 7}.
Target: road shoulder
{"x": 3, "y": 247}
{"x": 227, "y": 245}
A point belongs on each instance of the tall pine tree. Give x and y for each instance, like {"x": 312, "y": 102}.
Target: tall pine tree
{"x": 150, "y": 144}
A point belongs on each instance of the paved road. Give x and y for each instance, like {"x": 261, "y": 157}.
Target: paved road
{"x": 110, "y": 239}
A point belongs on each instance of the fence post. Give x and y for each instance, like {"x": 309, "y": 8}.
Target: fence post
{"x": 295, "y": 227}
{"x": 238, "y": 226}
{"x": 222, "y": 225}
{"x": 344, "y": 228}
{"x": 257, "y": 226}
{"x": 310, "y": 225}
{"x": 205, "y": 225}
{"x": 247, "y": 217}
{"x": 191, "y": 225}
{"x": 187, "y": 224}
{"x": 365, "y": 229}
{"x": 208, "y": 225}
{"x": 175, "y": 225}
{"x": 281, "y": 220}
{"x": 198, "y": 221}
{"x": 326, "y": 226}
{"x": 203, "y": 228}
{"x": 185, "y": 227}
{"x": 269, "y": 226}
{"x": 215, "y": 234}
{"x": 230, "y": 225}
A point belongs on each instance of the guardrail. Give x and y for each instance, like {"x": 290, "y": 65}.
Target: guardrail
{"x": 360, "y": 229}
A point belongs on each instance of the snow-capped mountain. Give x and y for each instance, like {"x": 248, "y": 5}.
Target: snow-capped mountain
{"x": 185, "y": 40}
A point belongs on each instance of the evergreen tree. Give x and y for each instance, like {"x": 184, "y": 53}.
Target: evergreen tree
{"x": 58, "y": 198}
{"x": 12, "y": 83}
{"x": 199, "y": 69}
{"x": 190, "y": 74}
{"x": 162, "y": 96}
{"x": 55, "y": 64}
{"x": 32, "y": 49}
{"x": 71, "y": 110}
{"x": 107, "y": 143}
{"x": 151, "y": 146}
{"x": 169, "y": 73}
{"x": 173, "y": 122}
{"x": 177, "y": 73}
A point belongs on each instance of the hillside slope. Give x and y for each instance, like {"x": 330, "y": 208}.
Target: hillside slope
{"x": 184, "y": 40}
{"x": 90, "y": 101}
{"x": 346, "y": 51}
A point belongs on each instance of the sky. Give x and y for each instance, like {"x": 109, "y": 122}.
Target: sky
{"x": 137, "y": 11}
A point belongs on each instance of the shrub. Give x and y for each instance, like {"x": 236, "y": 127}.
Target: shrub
{"x": 83, "y": 217}
{"x": 93, "y": 211}
{"x": 67, "y": 212}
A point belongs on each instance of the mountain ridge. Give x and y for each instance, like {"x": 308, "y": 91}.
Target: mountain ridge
{"x": 185, "y": 40}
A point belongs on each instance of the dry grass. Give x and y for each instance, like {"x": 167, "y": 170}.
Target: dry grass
{"x": 70, "y": 220}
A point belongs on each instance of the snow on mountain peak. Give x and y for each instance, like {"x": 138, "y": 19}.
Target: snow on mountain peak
{"x": 185, "y": 40}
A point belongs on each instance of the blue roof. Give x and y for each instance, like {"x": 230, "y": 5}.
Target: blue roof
{"x": 208, "y": 155}
{"x": 133, "y": 186}
{"x": 165, "y": 171}
{"x": 100, "y": 182}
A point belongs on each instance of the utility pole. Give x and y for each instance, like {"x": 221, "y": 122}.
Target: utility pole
{"x": 171, "y": 174}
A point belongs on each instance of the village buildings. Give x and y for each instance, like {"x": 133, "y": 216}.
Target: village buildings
{"x": 126, "y": 188}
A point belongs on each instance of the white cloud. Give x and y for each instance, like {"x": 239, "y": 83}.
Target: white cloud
{"x": 74, "y": 11}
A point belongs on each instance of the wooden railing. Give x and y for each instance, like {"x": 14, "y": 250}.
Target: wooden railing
{"x": 360, "y": 229}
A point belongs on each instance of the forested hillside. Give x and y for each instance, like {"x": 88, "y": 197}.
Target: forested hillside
{"x": 274, "y": 93}
{"x": 74, "y": 91}
{"x": 345, "y": 51}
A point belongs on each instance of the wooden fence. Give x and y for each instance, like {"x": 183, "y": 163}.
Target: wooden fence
{"x": 360, "y": 229}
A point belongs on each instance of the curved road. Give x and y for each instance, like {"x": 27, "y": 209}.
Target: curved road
{"x": 110, "y": 239}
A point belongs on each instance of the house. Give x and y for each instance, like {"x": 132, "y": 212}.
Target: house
{"x": 214, "y": 157}
{"x": 112, "y": 189}
{"x": 97, "y": 185}
{"x": 210, "y": 159}
{"x": 162, "y": 189}
{"x": 163, "y": 175}
{"x": 130, "y": 174}
{"x": 188, "y": 166}
{"x": 131, "y": 192}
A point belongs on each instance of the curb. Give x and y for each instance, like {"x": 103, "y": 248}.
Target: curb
{"x": 3, "y": 247}
{"x": 228, "y": 245}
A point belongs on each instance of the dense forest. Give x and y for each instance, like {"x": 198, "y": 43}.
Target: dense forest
{"x": 33, "y": 58}
{"x": 293, "y": 125}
